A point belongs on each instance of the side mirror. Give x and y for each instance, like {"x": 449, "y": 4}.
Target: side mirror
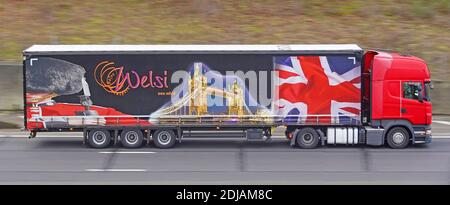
{"x": 420, "y": 96}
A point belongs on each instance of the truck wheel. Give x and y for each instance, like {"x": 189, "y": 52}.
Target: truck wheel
{"x": 164, "y": 138}
{"x": 307, "y": 138}
{"x": 131, "y": 138}
{"x": 99, "y": 138}
{"x": 398, "y": 138}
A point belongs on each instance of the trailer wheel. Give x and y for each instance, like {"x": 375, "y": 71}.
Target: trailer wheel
{"x": 164, "y": 138}
{"x": 99, "y": 138}
{"x": 398, "y": 138}
{"x": 307, "y": 138}
{"x": 131, "y": 138}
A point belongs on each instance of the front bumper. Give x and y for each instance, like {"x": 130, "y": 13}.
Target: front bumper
{"x": 423, "y": 136}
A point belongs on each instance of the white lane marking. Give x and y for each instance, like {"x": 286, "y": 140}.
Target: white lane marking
{"x": 125, "y": 152}
{"x": 116, "y": 170}
{"x": 441, "y": 122}
{"x": 440, "y": 137}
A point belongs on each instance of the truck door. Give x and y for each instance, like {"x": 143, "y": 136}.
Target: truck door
{"x": 392, "y": 99}
{"x": 412, "y": 104}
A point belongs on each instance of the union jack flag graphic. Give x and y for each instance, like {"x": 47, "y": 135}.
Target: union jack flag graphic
{"x": 324, "y": 89}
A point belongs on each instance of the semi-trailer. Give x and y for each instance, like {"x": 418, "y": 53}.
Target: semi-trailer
{"x": 138, "y": 94}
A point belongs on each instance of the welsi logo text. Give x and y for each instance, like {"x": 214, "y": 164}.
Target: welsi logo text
{"x": 117, "y": 81}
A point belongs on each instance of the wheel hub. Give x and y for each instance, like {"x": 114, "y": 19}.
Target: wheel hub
{"x": 131, "y": 137}
{"x": 164, "y": 138}
{"x": 99, "y": 137}
{"x": 398, "y": 138}
{"x": 308, "y": 138}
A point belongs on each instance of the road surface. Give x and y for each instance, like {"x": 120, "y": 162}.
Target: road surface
{"x": 61, "y": 158}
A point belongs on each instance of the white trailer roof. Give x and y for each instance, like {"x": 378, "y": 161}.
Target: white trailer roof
{"x": 198, "y": 48}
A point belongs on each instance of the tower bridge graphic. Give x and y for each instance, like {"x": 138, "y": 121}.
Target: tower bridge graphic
{"x": 193, "y": 105}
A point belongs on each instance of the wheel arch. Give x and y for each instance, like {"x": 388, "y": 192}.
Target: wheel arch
{"x": 390, "y": 124}
{"x": 296, "y": 129}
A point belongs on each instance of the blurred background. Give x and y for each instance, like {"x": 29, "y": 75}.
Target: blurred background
{"x": 416, "y": 27}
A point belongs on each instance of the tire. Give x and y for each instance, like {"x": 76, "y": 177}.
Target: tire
{"x": 131, "y": 138}
{"x": 164, "y": 138}
{"x": 398, "y": 138}
{"x": 307, "y": 138}
{"x": 99, "y": 138}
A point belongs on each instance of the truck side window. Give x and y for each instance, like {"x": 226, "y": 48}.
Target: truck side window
{"x": 411, "y": 90}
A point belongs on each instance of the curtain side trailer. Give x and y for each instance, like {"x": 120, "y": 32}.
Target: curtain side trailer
{"x": 312, "y": 94}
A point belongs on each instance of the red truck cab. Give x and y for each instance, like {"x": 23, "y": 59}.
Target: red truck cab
{"x": 398, "y": 95}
